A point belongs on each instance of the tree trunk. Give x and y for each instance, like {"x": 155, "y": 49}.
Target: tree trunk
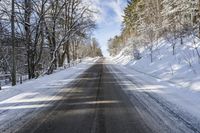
{"x": 60, "y": 64}
{"x": 198, "y": 54}
{"x": 30, "y": 52}
{"x": 173, "y": 47}
{"x": 73, "y": 50}
{"x": 68, "y": 54}
{"x": 13, "y": 44}
{"x": 54, "y": 45}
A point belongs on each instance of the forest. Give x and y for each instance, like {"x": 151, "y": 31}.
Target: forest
{"x": 39, "y": 36}
{"x": 146, "y": 21}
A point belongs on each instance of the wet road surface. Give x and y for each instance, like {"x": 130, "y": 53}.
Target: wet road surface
{"x": 95, "y": 104}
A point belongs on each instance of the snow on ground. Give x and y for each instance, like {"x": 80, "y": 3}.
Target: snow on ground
{"x": 169, "y": 79}
{"x": 181, "y": 68}
{"x": 167, "y": 102}
{"x": 21, "y": 102}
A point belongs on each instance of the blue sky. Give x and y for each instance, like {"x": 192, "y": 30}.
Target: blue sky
{"x": 109, "y": 20}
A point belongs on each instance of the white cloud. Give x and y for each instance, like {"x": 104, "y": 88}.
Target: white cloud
{"x": 117, "y": 7}
{"x": 102, "y": 6}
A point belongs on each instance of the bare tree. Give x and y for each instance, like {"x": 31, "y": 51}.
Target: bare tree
{"x": 47, "y": 33}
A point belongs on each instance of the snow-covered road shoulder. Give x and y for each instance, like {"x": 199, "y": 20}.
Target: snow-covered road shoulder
{"x": 18, "y": 104}
{"x": 170, "y": 102}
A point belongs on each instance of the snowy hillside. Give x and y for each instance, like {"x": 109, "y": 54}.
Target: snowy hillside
{"x": 181, "y": 68}
{"x": 170, "y": 80}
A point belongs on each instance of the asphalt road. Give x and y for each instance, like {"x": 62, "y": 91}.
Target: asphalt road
{"x": 95, "y": 104}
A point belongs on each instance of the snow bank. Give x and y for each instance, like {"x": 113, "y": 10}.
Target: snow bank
{"x": 164, "y": 104}
{"x": 20, "y": 103}
{"x": 181, "y": 68}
